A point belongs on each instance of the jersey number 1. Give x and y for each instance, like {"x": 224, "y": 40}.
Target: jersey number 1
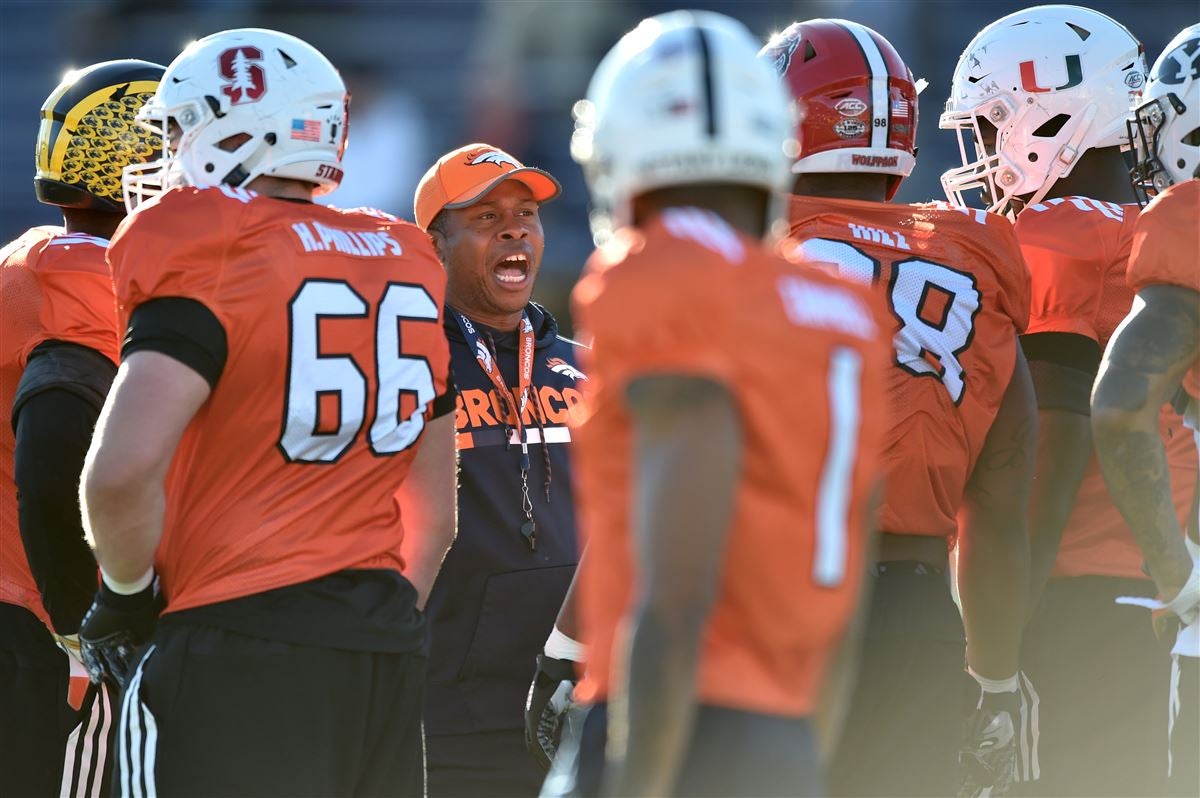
{"x": 313, "y": 375}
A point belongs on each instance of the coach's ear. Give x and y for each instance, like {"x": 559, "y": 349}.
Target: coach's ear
{"x": 437, "y": 234}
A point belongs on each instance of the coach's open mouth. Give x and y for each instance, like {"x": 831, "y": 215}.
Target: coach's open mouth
{"x": 512, "y": 270}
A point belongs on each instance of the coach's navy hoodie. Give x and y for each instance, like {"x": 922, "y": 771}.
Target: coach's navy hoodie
{"x": 495, "y": 600}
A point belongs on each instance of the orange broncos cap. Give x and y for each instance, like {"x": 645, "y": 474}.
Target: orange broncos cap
{"x": 461, "y": 177}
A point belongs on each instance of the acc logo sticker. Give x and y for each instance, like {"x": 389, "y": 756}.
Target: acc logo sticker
{"x": 242, "y": 68}
{"x": 850, "y": 128}
{"x": 1135, "y": 80}
{"x": 851, "y": 106}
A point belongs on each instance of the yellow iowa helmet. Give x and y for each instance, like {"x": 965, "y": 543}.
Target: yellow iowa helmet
{"x": 88, "y": 134}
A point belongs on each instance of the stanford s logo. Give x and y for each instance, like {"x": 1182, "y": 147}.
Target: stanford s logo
{"x": 1074, "y": 76}
{"x": 242, "y": 69}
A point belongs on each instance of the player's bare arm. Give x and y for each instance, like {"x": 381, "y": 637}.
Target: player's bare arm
{"x": 429, "y": 505}
{"x": 1145, "y": 361}
{"x": 687, "y": 439}
{"x": 994, "y": 542}
{"x": 152, "y": 401}
{"x": 1063, "y": 367}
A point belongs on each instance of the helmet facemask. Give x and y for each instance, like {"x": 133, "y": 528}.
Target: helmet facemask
{"x": 188, "y": 158}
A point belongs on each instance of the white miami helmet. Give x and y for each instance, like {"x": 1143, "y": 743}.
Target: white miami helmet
{"x": 1165, "y": 127}
{"x": 1047, "y": 84}
{"x": 682, "y": 99}
{"x": 248, "y": 102}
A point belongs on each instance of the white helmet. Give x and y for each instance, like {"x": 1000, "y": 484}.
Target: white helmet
{"x": 1165, "y": 127}
{"x": 274, "y": 88}
{"x": 682, "y": 99}
{"x": 1053, "y": 82}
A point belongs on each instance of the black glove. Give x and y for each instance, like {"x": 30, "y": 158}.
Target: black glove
{"x": 115, "y": 631}
{"x": 987, "y": 758}
{"x": 549, "y": 697}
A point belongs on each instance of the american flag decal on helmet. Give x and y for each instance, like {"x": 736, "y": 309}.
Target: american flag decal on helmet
{"x": 306, "y": 130}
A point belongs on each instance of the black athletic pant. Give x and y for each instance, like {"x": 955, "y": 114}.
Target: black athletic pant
{"x": 731, "y": 753}
{"x": 483, "y": 765}
{"x": 41, "y": 735}
{"x": 211, "y": 712}
{"x": 904, "y": 727}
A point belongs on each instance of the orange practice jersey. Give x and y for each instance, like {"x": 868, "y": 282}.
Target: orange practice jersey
{"x": 54, "y": 286}
{"x": 335, "y": 353}
{"x": 1166, "y": 249}
{"x": 959, "y": 295}
{"x": 1078, "y": 250}
{"x": 803, "y": 357}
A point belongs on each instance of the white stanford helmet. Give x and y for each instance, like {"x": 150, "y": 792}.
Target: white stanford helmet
{"x": 682, "y": 99}
{"x": 1165, "y": 127}
{"x": 274, "y": 88}
{"x": 1049, "y": 83}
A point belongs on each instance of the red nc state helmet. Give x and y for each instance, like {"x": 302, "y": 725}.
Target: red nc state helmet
{"x": 855, "y": 98}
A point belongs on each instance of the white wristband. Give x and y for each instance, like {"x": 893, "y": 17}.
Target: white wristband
{"x": 1008, "y": 685}
{"x": 128, "y": 588}
{"x": 559, "y": 646}
{"x": 1188, "y": 597}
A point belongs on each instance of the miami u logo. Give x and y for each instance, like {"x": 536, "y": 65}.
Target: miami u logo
{"x": 1074, "y": 76}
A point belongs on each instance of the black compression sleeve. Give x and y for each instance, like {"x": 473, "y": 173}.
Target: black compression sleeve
{"x": 1063, "y": 367}
{"x": 183, "y": 329}
{"x": 53, "y": 431}
{"x": 1061, "y": 387}
{"x": 1066, "y": 349}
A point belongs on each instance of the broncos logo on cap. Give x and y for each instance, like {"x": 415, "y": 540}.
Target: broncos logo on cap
{"x": 494, "y": 156}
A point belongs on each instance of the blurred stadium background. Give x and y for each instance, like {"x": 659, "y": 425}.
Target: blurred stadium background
{"x": 429, "y": 75}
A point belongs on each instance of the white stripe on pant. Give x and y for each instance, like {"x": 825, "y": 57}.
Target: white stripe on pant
{"x": 137, "y": 741}
{"x": 80, "y": 766}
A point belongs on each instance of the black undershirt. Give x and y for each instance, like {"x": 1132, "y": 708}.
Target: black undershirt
{"x": 183, "y": 329}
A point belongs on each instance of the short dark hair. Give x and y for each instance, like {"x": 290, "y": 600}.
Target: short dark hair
{"x": 438, "y": 223}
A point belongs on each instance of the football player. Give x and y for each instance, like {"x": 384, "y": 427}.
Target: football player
{"x": 732, "y": 436}
{"x": 58, "y": 353}
{"x": 277, "y": 453}
{"x": 1153, "y": 355}
{"x": 960, "y": 443}
{"x": 1043, "y": 94}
